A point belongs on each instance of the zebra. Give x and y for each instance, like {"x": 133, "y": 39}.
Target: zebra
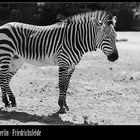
{"x": 62, "y": 44}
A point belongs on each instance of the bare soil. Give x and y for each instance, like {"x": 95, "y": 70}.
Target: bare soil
{"x": 100, "y": 92}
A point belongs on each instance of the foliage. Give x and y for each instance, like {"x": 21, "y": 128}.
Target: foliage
{"x": 46, "y": 13}
{"x": 128, "y": 13}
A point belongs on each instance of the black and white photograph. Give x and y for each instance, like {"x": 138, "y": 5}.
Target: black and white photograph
{"x": 69, "y": 64}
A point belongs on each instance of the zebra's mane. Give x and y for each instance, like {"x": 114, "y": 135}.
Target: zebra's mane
{"x": 101, "y": 15}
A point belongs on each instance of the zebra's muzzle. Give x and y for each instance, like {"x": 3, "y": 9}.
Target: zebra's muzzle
{"x": 113, "y": 57}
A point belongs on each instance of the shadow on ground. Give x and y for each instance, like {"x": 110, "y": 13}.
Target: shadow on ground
{"x": 24, "y": 117}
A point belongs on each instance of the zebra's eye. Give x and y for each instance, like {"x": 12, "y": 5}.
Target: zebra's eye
{"x": 100, "y": 22}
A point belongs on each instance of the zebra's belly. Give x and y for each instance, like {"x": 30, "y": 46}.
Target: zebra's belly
{"x": 41, "y": 62}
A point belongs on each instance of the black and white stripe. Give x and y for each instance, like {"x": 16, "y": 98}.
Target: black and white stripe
{"x": 61, "y": 44}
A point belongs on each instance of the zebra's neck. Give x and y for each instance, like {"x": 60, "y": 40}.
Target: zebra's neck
{"x": 78, "y": 39}
{"x": 86, "y": 36}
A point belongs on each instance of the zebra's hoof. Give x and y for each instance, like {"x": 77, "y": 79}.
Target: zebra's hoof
{"x": 67, "y": 108}
{"x": 62, "y": 111}
{"x": 14, "y": 105}
{"x": 7, "y": 105}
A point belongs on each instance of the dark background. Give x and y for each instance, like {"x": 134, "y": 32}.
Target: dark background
{"x": 46, "y": 13}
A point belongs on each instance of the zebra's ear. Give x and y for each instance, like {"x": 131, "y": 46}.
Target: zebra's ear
{"x": 114, "y": 20}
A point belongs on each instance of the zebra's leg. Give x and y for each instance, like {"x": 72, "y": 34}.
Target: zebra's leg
{"x": 64, "y": 79}
{"x": 9, "y": 92}
{"x": 3, "y": 90}
{"x": 4, "y": 66}
{"x": 5, "y": 87}
{"x": 7, "y": 72}
{"x": 15, "y": 65}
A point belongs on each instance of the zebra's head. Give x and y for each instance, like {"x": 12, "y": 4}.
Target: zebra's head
{"x": 94, "y": 30}
{"x": 106, "y": 35}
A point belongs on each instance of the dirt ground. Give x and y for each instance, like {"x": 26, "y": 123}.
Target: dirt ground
{"x": 100, "y": 92}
